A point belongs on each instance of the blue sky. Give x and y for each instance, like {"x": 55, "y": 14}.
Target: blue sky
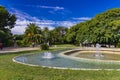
{"x": 52, "y": 13}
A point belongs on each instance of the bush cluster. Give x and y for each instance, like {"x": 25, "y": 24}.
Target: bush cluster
{"x": 44, "y": 47}
{"x": 118, "y": 45}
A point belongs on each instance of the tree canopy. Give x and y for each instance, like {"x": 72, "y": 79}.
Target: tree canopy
{"x": 33, "y": 34}
{"x": 104, "y": 28}
{"x": 7, "y": 22}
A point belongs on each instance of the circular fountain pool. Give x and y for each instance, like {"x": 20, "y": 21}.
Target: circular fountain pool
{"x": 73, "y": 59}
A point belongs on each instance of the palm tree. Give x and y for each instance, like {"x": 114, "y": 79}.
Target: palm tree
{"x": 46, "y": 34}
{"x": 33, "y": 34}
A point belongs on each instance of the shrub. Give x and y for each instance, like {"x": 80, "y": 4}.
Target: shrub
{"x": 21, "y": 43}
{"x": 44, "y": 47}
{"x": 118, "y": 45}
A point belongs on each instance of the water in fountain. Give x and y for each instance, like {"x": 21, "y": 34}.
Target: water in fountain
{"x": 48, "y": 55}
{"x": 98, "y": 53}
{"x": 64, "y": 60}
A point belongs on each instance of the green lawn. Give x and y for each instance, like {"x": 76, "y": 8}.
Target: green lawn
{"x": 10, "y": 70}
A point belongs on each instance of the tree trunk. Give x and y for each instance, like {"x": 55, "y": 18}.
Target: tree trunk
{"x": 115, "y": 45}
{"x": 109, "y": 45}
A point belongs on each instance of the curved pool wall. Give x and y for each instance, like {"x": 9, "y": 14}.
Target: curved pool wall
{"x": 66, "y": 55}
{"x": 62, "y": 61}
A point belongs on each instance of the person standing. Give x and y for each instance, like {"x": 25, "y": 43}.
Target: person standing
{"x": 33, "y": 44}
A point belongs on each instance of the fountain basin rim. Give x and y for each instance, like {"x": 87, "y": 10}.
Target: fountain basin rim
{"x": 59, "y": 67}
{"x": 63, "y": 54}
{"x": 34, "y": 65}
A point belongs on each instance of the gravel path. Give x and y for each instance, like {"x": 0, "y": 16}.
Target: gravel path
{"x": 9, "y": 50}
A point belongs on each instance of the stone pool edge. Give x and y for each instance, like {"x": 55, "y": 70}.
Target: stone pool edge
{"x": 85, "y": 59}
{"x": 13, "y": 59}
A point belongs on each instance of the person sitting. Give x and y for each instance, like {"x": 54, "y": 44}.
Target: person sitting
{"x": 1, "y": 46}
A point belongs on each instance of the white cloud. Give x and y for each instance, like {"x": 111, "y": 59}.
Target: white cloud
{"x": 18, "y": 29}
{"x": 51, "y": 7}
{"x": 56, "y": 8}
{"x": 22, "y": 15}
{"x": 83, "y": 18}
{"x": 24, "y": 19}
{"x": 22, "y": 24}
{"x": 66, "y": 23}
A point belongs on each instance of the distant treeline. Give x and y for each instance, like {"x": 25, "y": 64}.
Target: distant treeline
{"x": 104, "y": 29}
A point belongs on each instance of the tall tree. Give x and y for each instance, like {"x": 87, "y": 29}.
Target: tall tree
{"x": 72, "y": 33}
{"x": 104, "y": 29}
{"x": 59, "y": 34}
{"x": 46, "y": 34}
{"x": 7, "y": 22}
{"x": 33, "y": 34}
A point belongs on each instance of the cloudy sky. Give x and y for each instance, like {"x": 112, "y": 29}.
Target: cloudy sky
{"x": 53, "y": 13}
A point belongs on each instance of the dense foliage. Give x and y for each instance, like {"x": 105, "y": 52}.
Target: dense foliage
{"x": 103, "y": 29}
{"x": 58, "y": 35}
{"x": 44, "y": 47}
{"x": 7, "y": 22}
{"x": 33, "y": 34}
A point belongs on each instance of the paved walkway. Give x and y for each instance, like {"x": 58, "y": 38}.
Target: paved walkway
{"x": 9, "y": 50}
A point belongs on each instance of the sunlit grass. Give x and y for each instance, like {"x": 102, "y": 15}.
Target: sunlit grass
{"x": 10, "y": 70}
